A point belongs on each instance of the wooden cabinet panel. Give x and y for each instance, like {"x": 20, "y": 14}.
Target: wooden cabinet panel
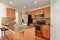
{"x": 7, "y": 35}
{"x": 11, "y": 35}
{"x": 10, "y": 13}
{"x": 47, "y": 12}
{"x": 46, "y": 31}
{"x": 33, "y": 13}
{"x": 28, "y": 34}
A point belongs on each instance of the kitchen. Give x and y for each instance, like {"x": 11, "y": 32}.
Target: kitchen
{"x": 27, "y": 32}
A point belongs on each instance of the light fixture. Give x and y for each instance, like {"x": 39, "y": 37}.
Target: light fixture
{"x": 24, "y": 6}
{"x": 11, "y": 2}
{"x": 35, "y": 2}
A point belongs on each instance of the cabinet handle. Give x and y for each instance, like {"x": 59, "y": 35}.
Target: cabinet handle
{"x": 51, "y": 25}
{"x": 23, "y": 33}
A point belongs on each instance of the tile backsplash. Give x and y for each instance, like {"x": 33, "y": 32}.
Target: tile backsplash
{"x": 10, "y": 22}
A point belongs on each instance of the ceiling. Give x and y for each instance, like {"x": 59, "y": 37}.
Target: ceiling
{"x": 29, "y": 4}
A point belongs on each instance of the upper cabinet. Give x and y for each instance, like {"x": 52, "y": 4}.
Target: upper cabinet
{"x": 46, "y": 12}
{"x": 10, "y": 13}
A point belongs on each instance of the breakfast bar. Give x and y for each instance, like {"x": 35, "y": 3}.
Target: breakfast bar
{"x": 22, "y": 33}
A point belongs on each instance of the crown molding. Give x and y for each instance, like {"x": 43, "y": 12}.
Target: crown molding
{"x": 39, "y": 8}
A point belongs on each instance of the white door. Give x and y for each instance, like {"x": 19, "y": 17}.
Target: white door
{"x": 55, "y": 19}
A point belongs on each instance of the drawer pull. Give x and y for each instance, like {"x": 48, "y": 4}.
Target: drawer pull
{"x": 23, "y": 33}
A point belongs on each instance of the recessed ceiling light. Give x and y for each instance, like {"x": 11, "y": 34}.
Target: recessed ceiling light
{"x": 24, "y": 6}
{"x": 35, "y": 2}
{"x": 11, "y": 2}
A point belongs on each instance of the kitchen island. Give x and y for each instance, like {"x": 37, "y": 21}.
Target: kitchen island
{"x": 22, "y": 33}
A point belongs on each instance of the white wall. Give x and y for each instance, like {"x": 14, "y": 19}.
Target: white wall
{"x": 16, "y": 17}
{"x": 3, "y": 13}
{"x": 55, "y": 19}
{"x": 24, "y": 16}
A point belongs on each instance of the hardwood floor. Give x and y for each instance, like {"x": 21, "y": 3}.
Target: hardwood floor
{"x": 39, "y": 38}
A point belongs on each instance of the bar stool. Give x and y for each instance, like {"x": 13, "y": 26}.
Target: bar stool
{"x": 2, "y": 32}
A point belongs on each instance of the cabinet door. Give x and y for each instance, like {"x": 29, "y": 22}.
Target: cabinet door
{"x": 21, "y": 35}
{"x": 16, "y": 36}
{"x": 33, "y": 13}
{"x": 29, "y": 34}
{"x": 7, "y": 35}
{"x": 47, "y": 12}
{"x": 10, "y": 13}
{"x": 46, "y": 31}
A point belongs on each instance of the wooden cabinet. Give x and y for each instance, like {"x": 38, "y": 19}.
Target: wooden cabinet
{"x": 46, "y": 31}
{"x": 33, "y": 13}
{"x": 47, "y": 12}
{"x": 7, "y": 35}
{"x": 28, "y": 34}
{"x": 10, "y": 13}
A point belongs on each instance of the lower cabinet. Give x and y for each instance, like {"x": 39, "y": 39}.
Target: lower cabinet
{"x": 28, "y": 34}
{"x": 7, "y": 35}
{"x": 46, "y": 31}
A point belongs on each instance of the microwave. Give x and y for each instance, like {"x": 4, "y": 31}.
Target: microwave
{"x": 39, "y": 15}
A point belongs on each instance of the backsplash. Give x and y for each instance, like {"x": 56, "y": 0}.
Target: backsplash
{"x": 10, "y": 22}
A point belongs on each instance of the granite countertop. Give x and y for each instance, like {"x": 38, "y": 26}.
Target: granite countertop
{"x": 18, "y": 29}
